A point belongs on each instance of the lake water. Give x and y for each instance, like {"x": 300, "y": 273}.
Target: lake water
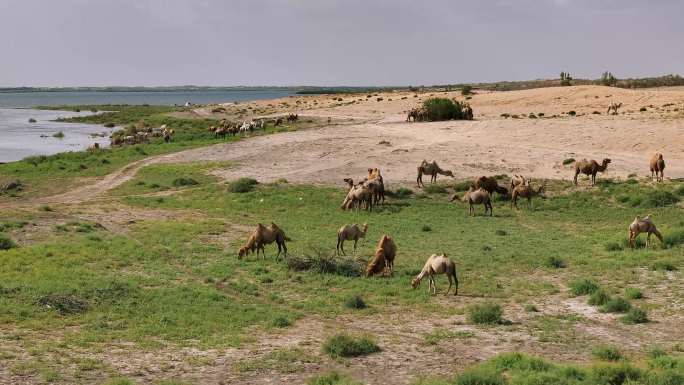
{"x": 19, "y": 138}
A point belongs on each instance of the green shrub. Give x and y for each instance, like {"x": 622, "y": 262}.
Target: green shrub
{"x": 614, "y": 246}
{"x": 633, "y": 293}
{"x": 109, "y": 125}
{"x": 612, "y": 374}
{"x": 660, "y": 198}
{"x": 568, "y": 161}
{"x": 486, "y": 313}
{"x": 616, "y": 305}
{"x": 598, "y": 298}
{"x": 6, "y": 242}
{"x": 663, "y": 265}
{"x": 402, "y": 192}
{"x": 31, "y": 120}
{"x": 426, "y": 228}
{"x": 572, "y": 113}
{"x": 462, "y": 186}
{"x": 519, "y": 361}
{"x": 680, "y": 190}
{"x": 281, "y": 321}
{"x": 635, "y": 316}
{"x": 58, "y": 135}
{"x": 435, "y": 189}
{"x": 45, "y": 208}
{"x": 466, "y": 90}
{"x": 331, "y": 378}
{"x": 555, "y": 262}
{"x": 184, "y": 181}
{"x": 642, "y": 109}
{"x": 242, "y": 185}
{"x": 500, "y": 232}
{"x": 355, "y": 302}
{"x": 583, "y": 287}
{"x": 344, "y": 345}
{"x": 674, "y": 238}
{"x": 442, "y": 109}
{"x": 480, "y": 376}
{"x": 324, "y": 264}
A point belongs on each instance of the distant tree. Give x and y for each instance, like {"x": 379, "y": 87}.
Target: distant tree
{"x": 607, "y": 79}
{"x": 466, "y": 90}
{"x": 565, "y": 79}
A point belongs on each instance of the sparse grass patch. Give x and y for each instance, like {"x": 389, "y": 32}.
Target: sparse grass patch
{"x": 58, "y": 135}
{"x": 6, "y": 242}
{"x": 331, "y": 378}
{"x": 531, "y": 308}
{"x": 435, "y": 189}
{"x": 598, "y": 298}
{"x": 344, "y": 345}
{"x": 281, "y": 321}
{"x": 242, "y": 185}
{"x": 664, "y": 265}
{"x": 635, "y": 316}
{"x": 486, "y": 313}
{"x": 184, "y": 181}
{"x": 616, "y": 305}
{"x": 355, "y": 302}
{"x": 438, "y": 335}
{"x": 401, "y": 193}
{"x": 633, "y": 293}
{"x": 555, "y": 262}
{"x": 323, "y": 264}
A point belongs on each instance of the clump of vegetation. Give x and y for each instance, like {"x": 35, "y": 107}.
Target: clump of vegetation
{"x": 572, "y": 113}
{"x": 663, "y": 265}
{"x": 323, "y": 264}
{"x": 568, "y": 161}
{"x": 660, "y": 198}
{"x": 435, "y": 189}
{"x": 442, "y": 109}
{"x": 485, "y": 313}
{"x": 500, "y": 232}
{"x": 63, "y": 303}
{"x": 401, "y": 192}
{"x": 505, "y": 115}
{"x": 607, "y": 79}
{"x": 45, "y": 208}
{"x": 281, "y": 321}
{"x": 598, "y": 298}
{"x": 466, "y": 90}
{"x": 184, "y": 181}
{"x": 426, "y": 228}
{"x": 565, "y": 79}
{"x": 331, "y": 378}
{"x": 616, "y": 305}
{"x": 355, "y": 302}
{"x": 58, "y": 135}
{"x": 555, "y": 262}
{"x": 633, "y": 293}
{"x": 242, "y": 185}
{"x": 6, "y": 242}
{"x": 635, "y": 316}
{"x": 344, "y": 345}
{"x": 31, "y": 120}
{"x": 532, "y": 116}
{"x": 642, "y": 109}
{"x": 583, "y": 287}
{"x": 462, "y": 186}
{"x": 607, "y": 353}
{"x": 530, "y": 308}
{"x": 109, "y": 125}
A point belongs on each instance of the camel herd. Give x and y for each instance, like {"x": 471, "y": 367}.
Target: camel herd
{"x": 370, "y": 191}
{"x": 141, "y": 135}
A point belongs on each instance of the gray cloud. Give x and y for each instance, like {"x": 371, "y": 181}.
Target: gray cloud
{"x": 332, "y": 42}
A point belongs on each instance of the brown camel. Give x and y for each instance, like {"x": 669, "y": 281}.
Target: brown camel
{"x": 385, "y": 253}
{"x": 643, "y": 225}
{"x": 357, "y": 196}
{"x": 526, "y": 191}
{"x": 657, "y": 167}
{"x": 431, "y": 169}
{"x": 350, "y": 233}
{"x": 591, "y": 168}
{"x": 491, "y": 185}
{"x": 518, "y": 180}
{"x": 437, "y": 264}
{"x": 478, "y": 196}
{"x": 614, "y": 107}
{"x": 263, "y": 235}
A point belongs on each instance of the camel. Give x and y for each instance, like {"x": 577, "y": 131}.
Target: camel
{"x": 385, "y": 253}
{"x": 491, "y": 185}
{"x": 478, "y": 196}
{"x": 350, "y": 233}
{"x": 467, "y": 111}
{"x": 614, "y": 107}
{"x": 643, "y": 225}
{"x": 518, "y": 180}
{"x": 263, "y": 235}
{"x": 591, "y": 167}
{"x": 526, "y": 191}
{"x": 376, "y": 184}
{"x": 292, "y": 117}
{"x": 657, "y": 166}
{"x": 413, "y": 113}
{"x": 431, "y": 169}
{"x": 357, "y": 196}
{"x": 437, "y": 264}
{"x": 94, "y": 147}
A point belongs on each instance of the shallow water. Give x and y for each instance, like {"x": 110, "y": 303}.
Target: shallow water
{"x": 19, "y": 138}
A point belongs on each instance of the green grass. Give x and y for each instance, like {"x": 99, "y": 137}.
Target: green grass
{"x": 616, "y": 305}
{"x": 242, "y": 185}
{"x": 440, "y": 335}
{"x": 355, "y": 302}
{"x": 598, "y": 298}
{"x": 635, "y": 316}
{"x": 486, "y": 313}
{"x": 607, "y": 353}
{"x": 331, "y": 378}
{"x": 344, "y": 345}
{"x": 583, "y": 287}
{"x": 633, "y": 293}
{"x": 6, "y": 242}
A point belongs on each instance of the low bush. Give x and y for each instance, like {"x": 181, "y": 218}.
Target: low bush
{"x": 572, "y": 113}
{"x": 242, "y": 185}
{"x": 281, "y": 321}
{"x": 674, "y": 238}
{"x": 555, "y": 262}
{"x": 583, "y": 287}
{"x": 344, "y": 345}
{"x": 426, "y": 228}
{"x": 355, "y": 302}
{"x": 109, "y": 125}
{"x": 616, "y": 305}
{"x": 633, "y": 293}
{"x": 664, "y": 265}
{"x": 63, "y": 303}
{"x": 331, "y": 378}
{"x": 6, "y": 242}
{"x": 480, "y": 376}
{"x": 486, "y": 313}
{"x": 442, "y": 109}
{"x": 435, "y": 189}
{"x": 323, "y": 264}
{"x": 635, "y": 316}
{"x": 598, "y": 298}
{"x": 568, "y": 161}
{"x": 401, "y": 192}
{"x": 58, "y": 135}
{"x": 184, "y": 181}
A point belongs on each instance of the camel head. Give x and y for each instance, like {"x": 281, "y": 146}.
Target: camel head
{"x": 449, "y": 173}
{"x": 415, "y": 282}
{"x": 349, "y": 181}
{"x": 365, "y": 227}
{"x": 606, "y": 161}
{"x": 242, "y": 252}
{"x": 660, "y": 156}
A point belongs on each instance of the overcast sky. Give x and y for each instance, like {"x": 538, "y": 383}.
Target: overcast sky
{"x": 333, "y": 42}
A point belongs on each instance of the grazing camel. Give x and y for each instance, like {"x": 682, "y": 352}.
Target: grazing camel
{"x": 491, "y": 185}
{"x": 643, "y": 225}
{"x": 590, "y": 167}
{"x": 518, "y": 180}
{"x": 357, "y": 196}
{"x": 431, "y": 169}
{"x": 478, "y": 196}
{"x": 526, "y": 191}
{"x": 413, "y": 113}
{"x": 437, "y": 264}
{"x": 263, "y": 235}
{"x": 657, "y": 167}
{"x": 614, "y": 107}
{"x": 385, "y": 253}
{"x": 350, "y": 233}
{"x": 376, "y": 184}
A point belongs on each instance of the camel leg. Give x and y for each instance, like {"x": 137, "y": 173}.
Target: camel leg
{"x": 529, "y": 203}
{"x": 575, "y": 179}
{"x": 355, "y": 240}
{"x": 419, "y": 179}
{"x": 339, "y": 241}
{"x": 631, "y": 239}
{"x": 648, "y": 239}
{"x": 455, "y": 283}
{"x": 450, "y": 284}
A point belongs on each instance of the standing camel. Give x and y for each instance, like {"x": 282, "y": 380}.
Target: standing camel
{"x": 491, "y": 185}
{"x": 437, "y": 264}
{"x": 350, "y": 233}
{"x": 357, "y": 196}
{"x": 643, "y": 225}
{"x": 431, "y": 169}
{"x": 657, "y": 167}
{"x": 526, "y": 191}
{"x": 263, "y": 235}
{"x": 478, "y": 196}
{"x": 614, "y": 107}
{"x": 590, "y": 168}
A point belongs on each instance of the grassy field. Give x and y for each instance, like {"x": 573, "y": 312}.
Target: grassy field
{"x": 46, "y": 175}
{"x": 175, "y": 281}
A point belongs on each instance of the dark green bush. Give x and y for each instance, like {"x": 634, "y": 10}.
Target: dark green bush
{"x": 664, "y": 265}
{"x": 486, "y": 313}
{"x": 6, "y": 243}
{"x": 242, "y": 185}
{"x": 281, "y": 321}
{"x": 633, "y": 293}
{"x": 401, "y": 192}
{"x": 612, "y": 374}
{"x": 555, "y": 262}
{"x": 635, "y": 316}
{"x": 344, "y": 345}
{"x": 660, "y": 198}
{"x": 568, "y": 161}
{"x": 466, "y": 90}
{"x": 435, "y": 189}
{"x": 572, "y": 113}
{"x": 442, "y": 109}
{"x": 598, "y": 298}
{"x": 616, "y": 305}
{"x": 480, "y": 376}
{"x": 426, "y": 228}
{"x": 355, "y": 302}
{"x": 184, "y": 181}
{"x": 583, "y": 287}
